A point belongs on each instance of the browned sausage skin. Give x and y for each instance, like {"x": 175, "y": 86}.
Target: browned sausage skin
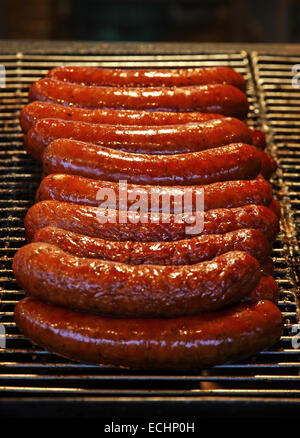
{"x": 227, "y": 194}
{"x": 258, "y": 138}
{"x": 268, "y": 164}
{"x": 37, "y": 110}
{"x": 231, "y": 162}
{"x": 171, "y": 139}
{"x": 176, "y": 343}
{"x": 158, "y": 77}
{"x": 92, "y": 221}
{"x": 275, "y": 207}
{"x": 48, "y": 273}
{"x": 217, "y": 98}
{"x": 267, "y": 289}
{"x": 181, "y": 252}
{"x": 268, "y": 266}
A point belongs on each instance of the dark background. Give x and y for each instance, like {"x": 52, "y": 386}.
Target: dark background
{"x": 144, "y": 20}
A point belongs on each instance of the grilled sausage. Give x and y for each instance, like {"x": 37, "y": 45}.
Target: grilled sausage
{"x": 151, "y": 227}
{"x": 232, "y": 162}
{"x": 178, "y": 343}
{"x": 158, "y": 77}
{"x": 37, "y": 110}
{"x": 267, "y": 289}
{"x": 217, "y": 98}
{"x": 258, "y": 138}
{"x": 268, "y": 164}
{"x": 267, "y": 267}
{"x": 181, "y": 252}
{"x": 275, "y": 207}
{"x": 172, "y": 139}
{"x": 81, "y": 190}
{"x": 46, "y": 272}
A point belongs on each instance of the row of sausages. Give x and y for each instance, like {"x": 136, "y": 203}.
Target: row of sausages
{"x": 141, "y": 293}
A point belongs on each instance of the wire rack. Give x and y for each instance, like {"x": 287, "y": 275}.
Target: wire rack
{"x": 29, "y": 374}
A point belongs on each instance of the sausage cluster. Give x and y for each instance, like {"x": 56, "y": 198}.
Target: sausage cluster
{"x": 117, "y": 279}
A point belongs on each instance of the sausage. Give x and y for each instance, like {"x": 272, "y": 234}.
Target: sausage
{"x": 81, "y": 190}
{"x": 267, "y": 267}
{"x": 161, "y": 343}
{"x": 258, "y": 139}
{"x": 275, "y": 207}
{"x": 217, "y": 98}
{"x": 268, "y": 164}
{"x": 267, "y": 289}
{"x": 231, "y": 162}
{"x": 46, "y": 272}
{"x": 37, "y": 110}
{"x": 171, "y": 139}
{"x": 151, "y": 227}
{"x": 154, "y": 77}
{"x": 181, "y": 252}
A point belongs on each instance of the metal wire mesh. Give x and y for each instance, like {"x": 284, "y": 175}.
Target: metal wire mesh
{"x": 29, "y": 370}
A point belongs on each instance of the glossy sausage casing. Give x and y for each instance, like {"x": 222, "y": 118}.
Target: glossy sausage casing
{"x": 275, "y": 207}
{"x": 171, "y": 139}
{"x": 37, "y": 110}
{"x": 173, "y": 77}
{"x": 268, "y": 266}
{"x": 81, "y": 190}
{"x": 152, "y": 227}
{"x": 231, "y": 162}
{"x": 181, "y": 252}
{"x": 217, "y": 98}
{"x": 46, "y": 272}
{"x": 268, "y": 164}
{"x": 177, "y": 343}
{"x": 267, "y": 289}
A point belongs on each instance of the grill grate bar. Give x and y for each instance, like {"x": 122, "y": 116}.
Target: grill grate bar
{"x": 58, "y": 391}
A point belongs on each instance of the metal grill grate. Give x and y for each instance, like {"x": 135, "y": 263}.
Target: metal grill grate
{"x": 28, "y": 371}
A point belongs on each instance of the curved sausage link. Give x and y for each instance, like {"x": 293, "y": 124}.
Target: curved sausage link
{"x": 151, "y": 227}
{"x": 46, "y": 272}
{"x": 85, "y": 191}
{"x": 232, "y": 162}
{"x": 181, "y": 252}
{"x": 217, "y": 98}
{"x": 267, "y": 289}
{"x": 160, "y": 343}
{"x": 267, "y": 267}
{"x": 37, "y": 110}
{"x": 171, "y": 139}
{"x": 151, "y": 77}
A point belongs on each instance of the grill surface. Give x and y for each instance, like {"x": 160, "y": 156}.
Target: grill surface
{"x": 30, "y": 374}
